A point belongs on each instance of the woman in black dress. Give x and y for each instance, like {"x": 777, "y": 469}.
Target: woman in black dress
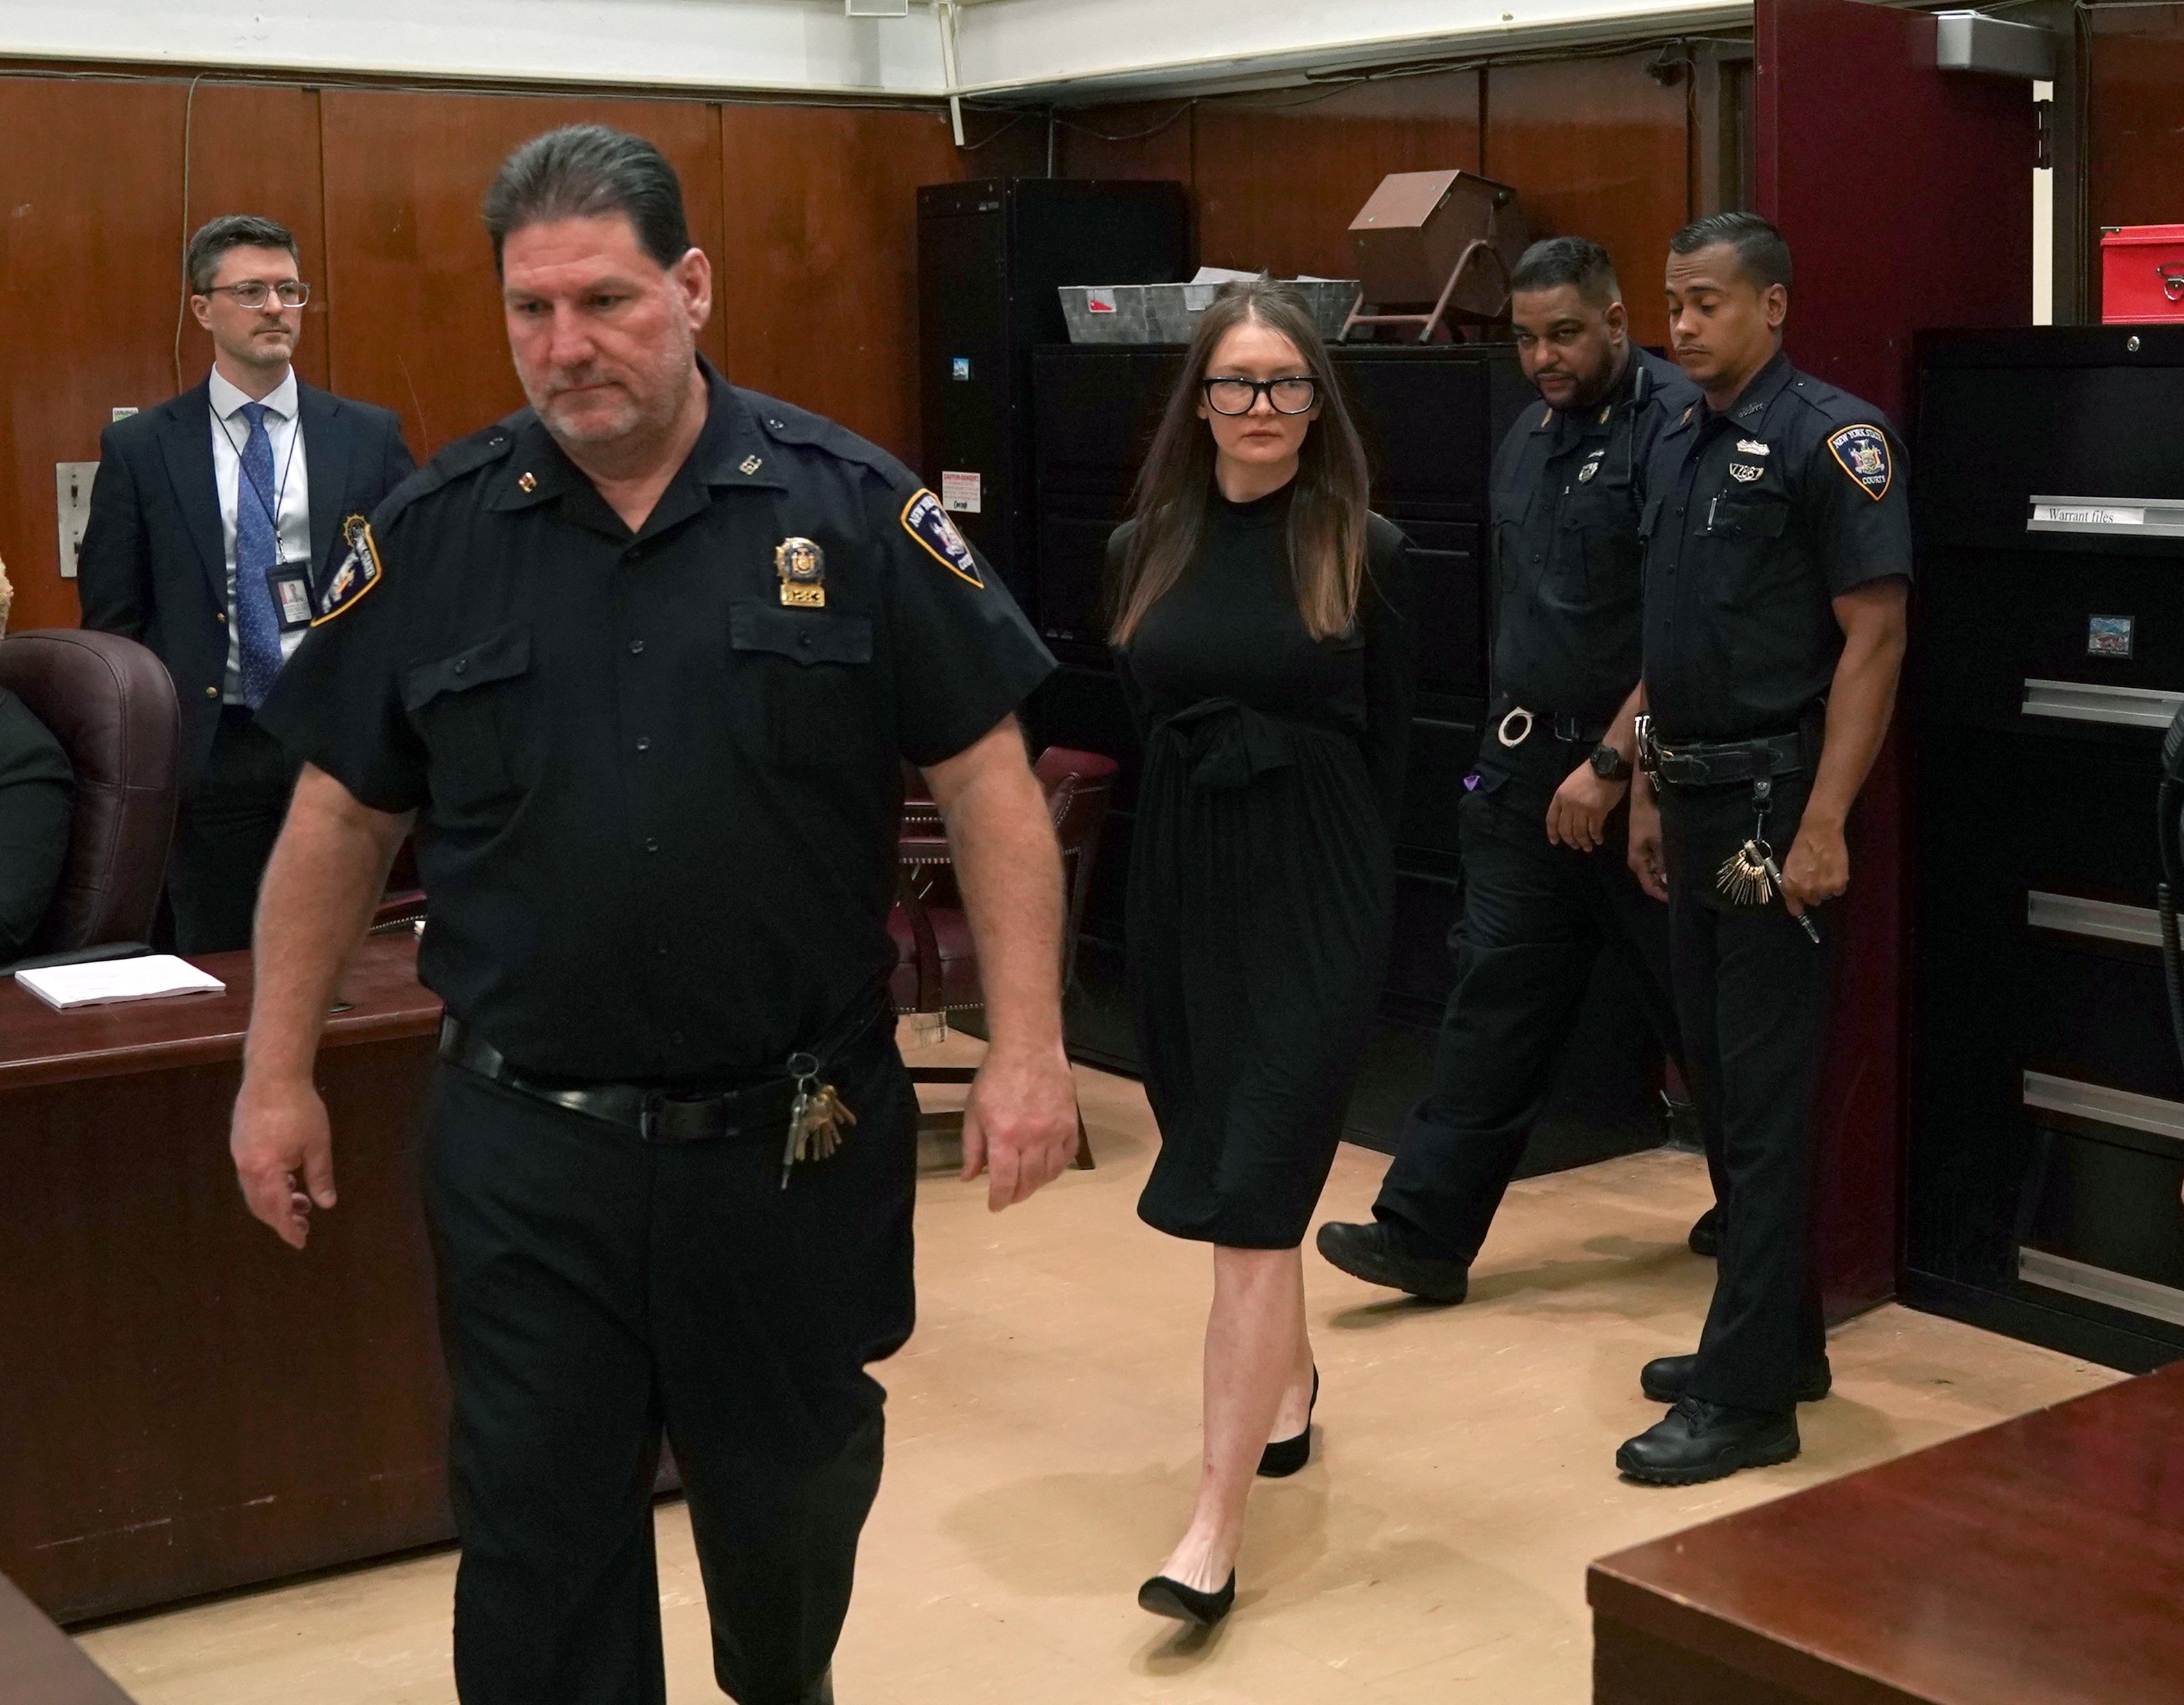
{"x": 1264, "y": 643}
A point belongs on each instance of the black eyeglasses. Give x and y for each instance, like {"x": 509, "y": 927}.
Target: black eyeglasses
{"x": 252, "y": 292}
{"x": 1293, "y": 396}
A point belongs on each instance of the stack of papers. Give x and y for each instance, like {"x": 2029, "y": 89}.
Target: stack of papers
{"x": 146, "y": 978}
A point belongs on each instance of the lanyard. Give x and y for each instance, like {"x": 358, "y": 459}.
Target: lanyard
{"x": 272, "y": 510}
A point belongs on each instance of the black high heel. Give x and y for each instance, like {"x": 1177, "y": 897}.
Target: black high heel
{"x": 1166, "y": 1597}
{"x": 1284, "y": 1457}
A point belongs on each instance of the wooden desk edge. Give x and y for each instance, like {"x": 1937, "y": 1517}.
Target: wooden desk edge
{"x": 1736, "y": 1644}
{"x": 40, "y": 1665}
{"x": 341, "y": 1032}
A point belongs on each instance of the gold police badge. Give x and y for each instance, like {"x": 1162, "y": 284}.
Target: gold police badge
{"x": 802, "y": 567}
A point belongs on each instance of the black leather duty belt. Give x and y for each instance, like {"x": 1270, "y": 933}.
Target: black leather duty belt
{"x": 760, "y": 1110}
{"x": 1720, "y": 763}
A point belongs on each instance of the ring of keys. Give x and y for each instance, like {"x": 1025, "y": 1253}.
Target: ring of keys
{"x": 1749, "y": 874}
{"x": 817, "y": 1118}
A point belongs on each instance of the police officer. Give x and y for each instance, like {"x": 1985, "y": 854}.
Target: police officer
{"x": 641, "y": 664}
{"x": 1546, "y": 885}
{"x": 1777, "y": 568}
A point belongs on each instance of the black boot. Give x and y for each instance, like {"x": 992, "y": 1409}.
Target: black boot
{"x": 1705, "y": 1237}
{"x": 1666, "y": 1377}
{"x": 1371, "y": 1253}
{"x": 1697, "y": 1441}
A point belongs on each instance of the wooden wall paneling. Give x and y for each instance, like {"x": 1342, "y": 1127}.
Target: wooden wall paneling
{"x": 1144, "y": 139}
{"x": 1597, "y": 149}
{"x": 89, "y": 267}
{"x": 255, "y": 148}
{"x": 91, "y": 280}
{"x": 412, "y": 297}
{"x": 1279, "y": 177}
{"x": 2136, "y": 68}
{"x": 819, "y": 276}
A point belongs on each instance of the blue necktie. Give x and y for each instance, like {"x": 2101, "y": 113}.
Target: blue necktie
{"x": 257, "y": 549}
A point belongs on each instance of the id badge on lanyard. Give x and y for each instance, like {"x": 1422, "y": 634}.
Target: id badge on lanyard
{"x": 290, "y": 584}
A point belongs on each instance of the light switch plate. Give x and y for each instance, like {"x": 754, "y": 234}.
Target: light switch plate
{"x": 72, "y": 502}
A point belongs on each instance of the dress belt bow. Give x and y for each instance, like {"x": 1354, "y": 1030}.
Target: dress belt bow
{"x": 1227, "y": 744}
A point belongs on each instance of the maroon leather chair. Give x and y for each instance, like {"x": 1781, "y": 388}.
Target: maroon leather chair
{"x": 936, "y": 966}
{"x": 111, "y": 704}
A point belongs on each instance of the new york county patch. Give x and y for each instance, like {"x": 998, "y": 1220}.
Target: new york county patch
{"x": 1861, "y": 452}
{"x": 356, "y": 573}
{"x": 927, "y": 523}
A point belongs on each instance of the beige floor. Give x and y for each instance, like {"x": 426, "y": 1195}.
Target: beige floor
{"x": 1042, "y": 1451}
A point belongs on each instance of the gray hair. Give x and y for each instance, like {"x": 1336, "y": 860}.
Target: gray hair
{"x": 582, "y": 171}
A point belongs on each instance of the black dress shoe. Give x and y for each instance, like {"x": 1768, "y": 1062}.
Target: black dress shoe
{"x": 1697, "y": 1441}
{"x": 1666, "y": 1378}
{"x": 1370, "y": 1252}
{"x": 1284, "y": 1457}
{"x": 1705, "y": 1237}
{"x": 1166, "y": 1597}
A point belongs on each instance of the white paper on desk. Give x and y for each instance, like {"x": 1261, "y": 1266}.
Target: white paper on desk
{"x": 1223, "y": 275}
{"x": 148, "y": 977}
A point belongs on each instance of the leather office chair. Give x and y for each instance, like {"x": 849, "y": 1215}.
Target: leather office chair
{"x": 937, "y": 969}
{"x": 111, "y": 704}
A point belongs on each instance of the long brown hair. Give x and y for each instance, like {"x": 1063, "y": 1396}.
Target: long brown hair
{"x": 1175, "y": 487}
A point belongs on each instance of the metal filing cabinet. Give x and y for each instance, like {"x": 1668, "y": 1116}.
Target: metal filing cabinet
{"x": 2047, "y": 1109}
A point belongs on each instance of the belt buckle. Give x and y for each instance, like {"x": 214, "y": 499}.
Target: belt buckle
{"x": 648, "y": 1116}
{"x": 1502, "y": 733}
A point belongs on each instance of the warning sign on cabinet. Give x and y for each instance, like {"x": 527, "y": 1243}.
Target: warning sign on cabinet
{"x": 960, "y": 492}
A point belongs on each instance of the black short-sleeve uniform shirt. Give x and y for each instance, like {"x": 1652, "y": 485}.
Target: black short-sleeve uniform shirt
{"x": 1568, "y": 492}
{"x": 1756, "y": 521}
{"x": 657, "y": 805}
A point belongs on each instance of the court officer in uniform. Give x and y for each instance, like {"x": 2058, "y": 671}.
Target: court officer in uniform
{"x": 1778, "y": 567}
{"x": 641, "y": 663}
{"x": 1546, "y": 884}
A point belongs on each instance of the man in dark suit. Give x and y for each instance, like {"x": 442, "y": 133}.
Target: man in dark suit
{"x": 216, "y": 522}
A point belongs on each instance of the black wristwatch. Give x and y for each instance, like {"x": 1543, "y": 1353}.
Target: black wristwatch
{"x": 1610, "y": 765}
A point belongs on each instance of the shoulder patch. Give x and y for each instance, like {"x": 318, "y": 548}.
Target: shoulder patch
{"x": 356, "y": 571}
{"x": 1861, "y": 452}
{"x": 925, "y": 520}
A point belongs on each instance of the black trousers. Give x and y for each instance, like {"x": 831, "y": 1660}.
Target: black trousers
{"x": 224, "y": 833}
{"x": 1753, "y": 991}
{"x": 596, "y": 1290}
{"x": 1536, "y": 916}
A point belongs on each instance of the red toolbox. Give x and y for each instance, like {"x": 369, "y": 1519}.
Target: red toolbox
{"x": 2141, "y": 273}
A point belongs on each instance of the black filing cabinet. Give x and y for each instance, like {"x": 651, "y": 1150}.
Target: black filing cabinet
{"x": 2048, "y": 1099}
{"x": 1431, "y": 418}
{"x": 991, "y": 256}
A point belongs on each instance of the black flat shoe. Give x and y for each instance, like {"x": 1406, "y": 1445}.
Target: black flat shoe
{"x": 1370, "y": 1252}
{"x": 1666, "y": 1377}
{"x": 1284, "y": 1457}
{"x": 1705, "y": 1238}
{"x": 1166, "y": 1597}
{"x": 1697, "y": 1441}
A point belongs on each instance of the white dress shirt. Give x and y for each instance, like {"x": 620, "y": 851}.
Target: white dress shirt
{"x": 292, "y": 495}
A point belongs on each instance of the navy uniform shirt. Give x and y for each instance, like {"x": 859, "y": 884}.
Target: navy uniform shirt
{"x": 1567, "y": 497}
{"x": 1756, "y": 521}
{"x": 657, "y": 806}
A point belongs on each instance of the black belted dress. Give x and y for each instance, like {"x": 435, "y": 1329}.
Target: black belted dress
{"x": 1261, "y": 870}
